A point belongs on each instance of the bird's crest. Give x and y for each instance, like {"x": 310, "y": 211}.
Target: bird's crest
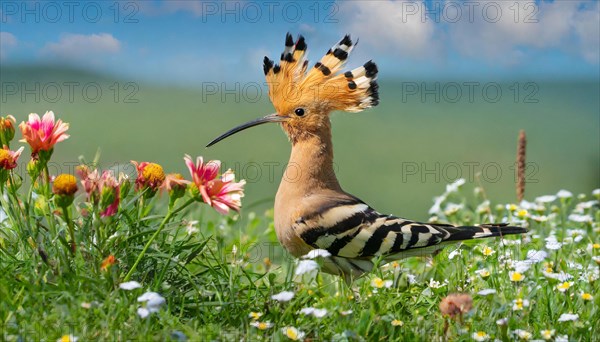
{"x": 291, "y": 83}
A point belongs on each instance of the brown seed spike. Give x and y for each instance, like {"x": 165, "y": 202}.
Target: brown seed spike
{"x": 521, "y": 165}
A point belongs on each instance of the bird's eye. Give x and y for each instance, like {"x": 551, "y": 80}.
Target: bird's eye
{"x": 299, "y": 111}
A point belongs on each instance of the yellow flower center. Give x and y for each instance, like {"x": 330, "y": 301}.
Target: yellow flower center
{"x": 512, "y": 207}
{"x": 262, "y": 326}
{"x": 153, "y": 174}
{"x": 596, "y": 246}
{"x": 65, "y": 184}
{"x": 255, "y": 315}
{"x": 484, "y": 273}
{"x": 5, "y": 157}
{"x": 378, "y": 283}
{"x": 586, "y": 296}
{"x": 519, "y": 304}
{"x": 487, "y": 251}
{"x": 397, "y": 323}
{"x": 547, "y": 334}
{"x": 516, "y": 277}
{"x": 65, "y": 338}
{"x": 291, "y": 333}
{"x": 522, "y": 213}
{"x": 564, "y": 286}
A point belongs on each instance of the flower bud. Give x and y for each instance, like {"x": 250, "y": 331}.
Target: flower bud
{"x": 175, "y": 185}
{"x": 33, "y": 169}
{"x": 125, "y": 185}
{"x": 107, "y": 197}
{"x": 195, "y": 192}
{"x": 7, "y": 130}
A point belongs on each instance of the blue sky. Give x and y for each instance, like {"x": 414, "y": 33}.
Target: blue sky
{"x": 187, "y": 42}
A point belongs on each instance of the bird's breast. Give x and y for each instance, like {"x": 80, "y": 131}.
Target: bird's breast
{"x": 288, "y": 210}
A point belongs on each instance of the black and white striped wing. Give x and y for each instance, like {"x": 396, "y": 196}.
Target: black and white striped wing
{"x": 355, "y": 230}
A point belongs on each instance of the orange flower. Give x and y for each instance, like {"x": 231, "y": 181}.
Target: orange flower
{"x": 108, "y": 262}
{"x": 42, "y": 134}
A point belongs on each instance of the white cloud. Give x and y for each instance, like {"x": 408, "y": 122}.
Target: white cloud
{"x": 391, "y": 26}
{"x": 80, "y": 46}
{"x": 587, "y": 27}
{"x": 524, "y": 25}
{"x": 492, "y": 30}
{"x": 7, "y": 41}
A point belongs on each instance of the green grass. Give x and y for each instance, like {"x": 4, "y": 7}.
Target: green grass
{"x": 212, "y": 280}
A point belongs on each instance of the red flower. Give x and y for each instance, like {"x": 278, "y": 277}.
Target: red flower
{"x": 8, "y": 158}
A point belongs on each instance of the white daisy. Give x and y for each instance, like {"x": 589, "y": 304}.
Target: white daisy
{"x": 317, "y": 253}
{"x": 568, "y": 317}
{"x": 284, "y": 296}
{"x": 319, "y": 313}
{"x": 305, "y": 266}
{"x": 130, "y": 285}
{"x": 564, "y": 194}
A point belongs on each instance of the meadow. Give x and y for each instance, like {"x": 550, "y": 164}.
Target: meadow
{"x": 164, "y": 265}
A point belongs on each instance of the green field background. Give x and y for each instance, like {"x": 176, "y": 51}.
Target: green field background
{"x": 396, "y": 157}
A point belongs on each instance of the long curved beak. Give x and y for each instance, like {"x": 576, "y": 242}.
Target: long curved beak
{"x": 269, "y": 118}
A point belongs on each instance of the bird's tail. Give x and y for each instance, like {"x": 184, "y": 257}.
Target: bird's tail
{"x": 481, "y": 231}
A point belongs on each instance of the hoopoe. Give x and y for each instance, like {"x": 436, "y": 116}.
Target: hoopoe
{"x": 311, "y": 209}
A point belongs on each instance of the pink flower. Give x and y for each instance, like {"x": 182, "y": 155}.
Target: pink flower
{"x": 89, "y": 180}
{"x": 8, "y": 158}
{"x": 103, "y": 190}
{"x": 42, "y": 134}
{"x": 202, "y": 173}
{"x": 220, "y": 193}
{"x": 109, "y": 201}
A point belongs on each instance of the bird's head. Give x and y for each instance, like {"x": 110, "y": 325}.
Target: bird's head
{"x": 304, "y": 98}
